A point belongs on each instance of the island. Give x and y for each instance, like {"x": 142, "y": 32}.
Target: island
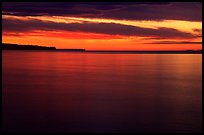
{"x": 6, "y": 46}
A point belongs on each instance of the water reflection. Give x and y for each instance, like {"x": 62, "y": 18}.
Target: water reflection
{"x": 83, "y": 92}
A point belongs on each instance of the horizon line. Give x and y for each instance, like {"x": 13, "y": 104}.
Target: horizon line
{"x": 104, "y": 50}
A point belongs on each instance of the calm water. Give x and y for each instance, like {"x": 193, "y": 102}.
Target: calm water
{"x": 86, "y": 92}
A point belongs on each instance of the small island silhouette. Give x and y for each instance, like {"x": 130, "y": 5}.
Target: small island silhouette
{"x": 8, "y": 46}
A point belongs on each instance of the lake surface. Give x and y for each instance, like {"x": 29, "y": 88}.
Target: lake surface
{"x": 47, "y": 91}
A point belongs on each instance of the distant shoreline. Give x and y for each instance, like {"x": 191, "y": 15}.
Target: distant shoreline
{"x": 16, "y": 47}
{"x": 6, "y": 46}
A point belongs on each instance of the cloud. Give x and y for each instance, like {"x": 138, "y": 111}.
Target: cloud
{"x": 16, "y": 25}
{"x": 174, "y": 42}
{"x": 189, "y": 11}
{"x": 197, "y": 30}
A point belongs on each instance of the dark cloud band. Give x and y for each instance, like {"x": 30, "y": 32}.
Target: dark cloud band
{"x": 190, "y": 11}
{"x": 16, "y": 25}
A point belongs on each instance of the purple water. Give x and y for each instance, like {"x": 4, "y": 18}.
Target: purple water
{"x": 47, "y": 91}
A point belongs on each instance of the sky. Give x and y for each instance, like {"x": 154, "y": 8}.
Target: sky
{"x": 104, "y": 25}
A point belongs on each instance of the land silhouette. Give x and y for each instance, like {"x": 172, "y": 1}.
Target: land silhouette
{"x": 6, "y": 46}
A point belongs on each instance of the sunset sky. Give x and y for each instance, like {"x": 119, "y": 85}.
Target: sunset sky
{"x": 103, "y": 25}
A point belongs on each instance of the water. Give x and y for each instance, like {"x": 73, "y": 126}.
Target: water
{"x": 47, "y": 91}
